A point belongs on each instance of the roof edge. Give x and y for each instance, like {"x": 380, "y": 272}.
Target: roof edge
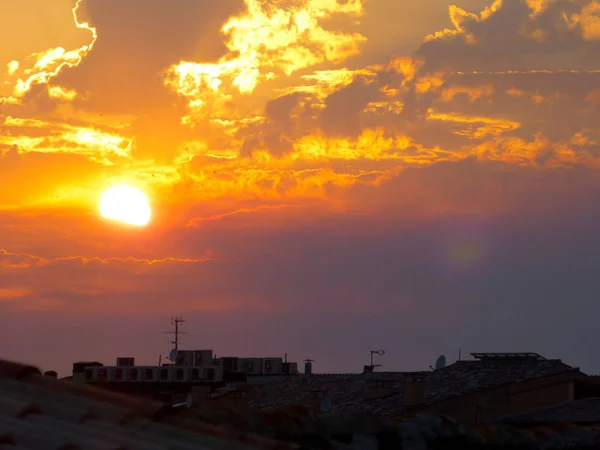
{"x": 508, "y": 383}
{"x": 17, "y": 371}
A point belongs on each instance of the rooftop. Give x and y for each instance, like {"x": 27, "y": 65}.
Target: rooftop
{"x": 350, "y": 392}
{"x": 44, "y": 413}
{"x": 39, "y": 412}
{"x": 464, "y": 377}
{"x": 583, "y": 411}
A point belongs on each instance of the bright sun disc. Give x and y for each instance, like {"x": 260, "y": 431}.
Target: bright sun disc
{"x": 125, "y": 204}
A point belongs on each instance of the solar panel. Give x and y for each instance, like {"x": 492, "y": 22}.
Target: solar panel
{"x": 529, "y": 356}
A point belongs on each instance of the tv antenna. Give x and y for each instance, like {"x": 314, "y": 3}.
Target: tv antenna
{"x": 176, "y": 322}
{"x": 376, "y": 352}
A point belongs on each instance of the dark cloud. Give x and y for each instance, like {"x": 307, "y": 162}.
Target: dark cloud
{"x": 553, "y": 104}
{"x": 276, "y": 134}
{"x": 341, "y": 116}
{"x": 530, "y": 97}
{"x": 279, "y": 110}
{"x": 509, "y": 39}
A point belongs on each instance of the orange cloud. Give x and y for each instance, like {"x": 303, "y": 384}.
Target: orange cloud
{"x": 197, "y": 221}
{"x": 48, "y": 64}
{"x": 411, "y": 113}
{"x": 588, "y": 20}
{"x": 461, "y": 20}
{"x": 593, "y": 96}
{"x": 11, "y": 260}
{"x": 13, "y": 293}
{"x": 265, "y": 41}
{"x": 537, "y": 6}
{"x": 474, "y": 93}
{"x": 98, "y": 145}
{"x": 489, "y": 126}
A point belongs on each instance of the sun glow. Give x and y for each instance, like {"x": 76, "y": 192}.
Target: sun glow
{"x": 125, "y": 204}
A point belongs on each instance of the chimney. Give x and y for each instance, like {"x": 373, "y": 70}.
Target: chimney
{"x": 308, "y": 366}
{"x": 414, "y": 393}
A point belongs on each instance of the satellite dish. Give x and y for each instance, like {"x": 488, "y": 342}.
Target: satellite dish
{"x": 326, "y": 405}
{"x": 189, "y": 400}
{"x": 173, "y": 354}
{"x": 440, "y": 363}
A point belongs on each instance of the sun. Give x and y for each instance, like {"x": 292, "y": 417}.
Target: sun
{"x": 125, "y": 204}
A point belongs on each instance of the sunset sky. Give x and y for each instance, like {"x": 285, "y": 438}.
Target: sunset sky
{"x": 326, "y": 177}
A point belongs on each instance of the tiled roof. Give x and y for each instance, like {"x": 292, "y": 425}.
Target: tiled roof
{"x": 38, "y": 412}
{"x": 348, "y": 392}
{"x": 585, "y": 410}
{"x": 343, "y": 430}
{"x": 346, "y": 430}
{"x": 48, "y": 414}
{"x": 464, "y": 377}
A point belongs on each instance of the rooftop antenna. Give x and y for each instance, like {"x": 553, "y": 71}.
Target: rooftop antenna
{"x": 176, "y": 321}
{"x": 376, "y": 352}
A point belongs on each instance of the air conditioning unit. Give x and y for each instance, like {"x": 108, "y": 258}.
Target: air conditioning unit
{"x": 125, "y": 361}
{"x": 203, "y": 357}
{"x": 273, "y": 365}
{"x": 253, "y": 366}
{"x": 186, "y": 357}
